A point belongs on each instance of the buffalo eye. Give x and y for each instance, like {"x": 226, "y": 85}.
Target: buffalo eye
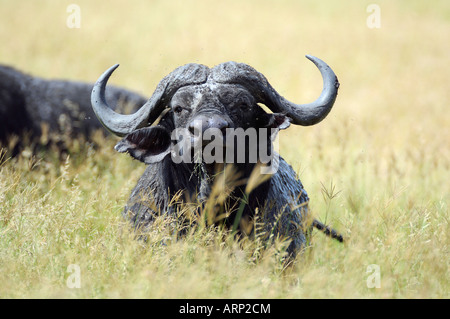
{"x": 244, "y": 106}
{"x": 178, "y": 109}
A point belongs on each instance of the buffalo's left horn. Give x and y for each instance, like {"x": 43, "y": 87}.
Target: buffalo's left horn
{"x": 312, "y": 113}
{"x": 257, "y": 84}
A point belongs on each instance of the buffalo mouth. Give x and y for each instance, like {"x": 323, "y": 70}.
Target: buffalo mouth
{"x": 230, "y": 146}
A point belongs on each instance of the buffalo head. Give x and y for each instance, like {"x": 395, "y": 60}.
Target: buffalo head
{"x": 196, "y": 99}
{"x": 209, "y": 105}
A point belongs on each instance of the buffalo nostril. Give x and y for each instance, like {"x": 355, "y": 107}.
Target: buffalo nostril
{"x": 223, "y": 129}
{"x": 196, "y": 127}
{"x": 202, "y": 124}
{"x": 220, "y": 124}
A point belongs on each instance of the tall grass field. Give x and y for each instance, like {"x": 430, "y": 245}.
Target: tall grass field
{"x": 377, "y": 168}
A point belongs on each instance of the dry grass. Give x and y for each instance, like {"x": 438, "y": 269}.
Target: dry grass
{"x": 377, "y": 168}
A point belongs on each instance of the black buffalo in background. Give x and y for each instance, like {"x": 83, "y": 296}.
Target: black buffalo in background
{"x": 36, "y": 111}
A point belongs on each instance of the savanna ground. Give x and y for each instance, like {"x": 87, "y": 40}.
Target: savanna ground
{"x": 377, "y": 168}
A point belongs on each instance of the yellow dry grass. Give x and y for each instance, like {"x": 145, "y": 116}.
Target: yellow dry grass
{"x": 377, "y": 168}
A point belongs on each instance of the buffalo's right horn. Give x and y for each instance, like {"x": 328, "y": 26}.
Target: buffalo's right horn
{"x": 118, "y": 124}
{"x": 121, "y": 124}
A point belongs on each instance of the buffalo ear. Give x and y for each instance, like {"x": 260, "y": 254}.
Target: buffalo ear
{"x": 275, "y": 120}
{"x": 148, "y": 145}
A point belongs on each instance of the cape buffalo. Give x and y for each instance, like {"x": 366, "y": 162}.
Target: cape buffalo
{"x": 190, "y": 106}
{"x": 29, "y": 105}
